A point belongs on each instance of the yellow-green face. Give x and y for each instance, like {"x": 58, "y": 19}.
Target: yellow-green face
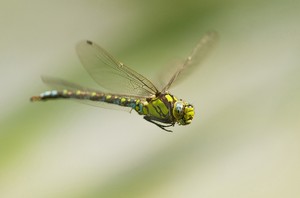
{"x": 183, "y": 112}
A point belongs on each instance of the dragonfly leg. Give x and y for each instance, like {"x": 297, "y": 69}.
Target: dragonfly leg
{"x": 154, "y": 120}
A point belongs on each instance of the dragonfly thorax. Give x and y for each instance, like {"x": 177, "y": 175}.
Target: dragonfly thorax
{"x": 183, "y": 112}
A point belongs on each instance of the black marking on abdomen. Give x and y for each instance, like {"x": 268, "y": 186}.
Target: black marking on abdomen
{"x": 87, "y": 95}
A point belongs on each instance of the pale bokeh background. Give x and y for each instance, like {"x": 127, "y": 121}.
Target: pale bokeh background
{"x": 243, "y": 142}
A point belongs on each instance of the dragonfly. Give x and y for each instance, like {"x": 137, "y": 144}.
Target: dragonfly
{"x": 129, "y": 89}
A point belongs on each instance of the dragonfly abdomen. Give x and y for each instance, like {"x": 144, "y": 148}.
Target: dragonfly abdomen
{"x": 65, "y": 94}
{"x": 89, "y": 95}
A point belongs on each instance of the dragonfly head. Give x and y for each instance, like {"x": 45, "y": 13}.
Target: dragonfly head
{"x": 183, "y": 112}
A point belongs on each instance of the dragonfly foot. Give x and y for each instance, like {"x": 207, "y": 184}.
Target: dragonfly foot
{"x": 163, "y": 127}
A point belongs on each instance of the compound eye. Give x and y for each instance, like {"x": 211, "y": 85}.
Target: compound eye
{"x": 179, "y": 107}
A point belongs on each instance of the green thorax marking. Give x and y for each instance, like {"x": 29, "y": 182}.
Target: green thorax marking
{"x": 158, "y": 107}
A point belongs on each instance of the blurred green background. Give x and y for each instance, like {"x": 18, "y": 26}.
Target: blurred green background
{"x": 244, "y": 139}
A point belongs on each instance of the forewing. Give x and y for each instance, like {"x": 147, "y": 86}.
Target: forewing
{"x": 198, "y": 54}
{"x": 111, "y": 74}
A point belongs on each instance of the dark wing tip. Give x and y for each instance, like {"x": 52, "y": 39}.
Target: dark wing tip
{"x": 81, "y": 45}
{"x": 89, "y": 42}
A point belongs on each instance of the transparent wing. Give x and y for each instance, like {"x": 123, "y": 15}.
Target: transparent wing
{"x": 198, "y": 54}
{"x": 59, "y": 84}
{"x": 111, "y": 74}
